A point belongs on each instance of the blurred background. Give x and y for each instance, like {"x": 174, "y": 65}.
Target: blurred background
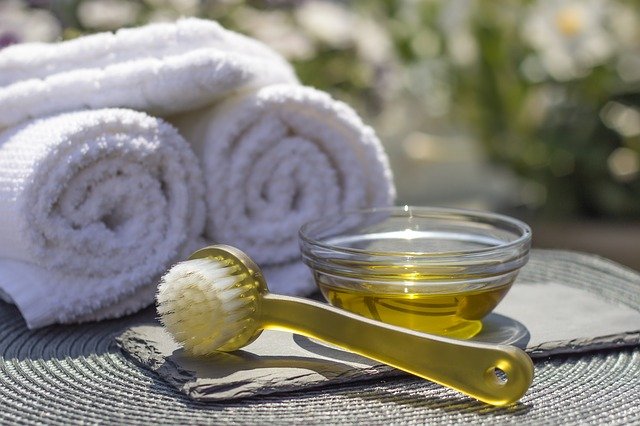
{"x": 529, "y": 108}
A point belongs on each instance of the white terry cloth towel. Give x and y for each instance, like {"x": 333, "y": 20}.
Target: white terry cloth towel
{"x": 94, "y": 206}
{"x": 161, "y": 69}
{"x": 276, "y": 158}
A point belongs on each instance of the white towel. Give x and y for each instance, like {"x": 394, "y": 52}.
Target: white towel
{"x": 161, "y": 69}
{"x": 94, "y": 205}
{"x": 307, "y": 155}
{"x": 276, "y": 158}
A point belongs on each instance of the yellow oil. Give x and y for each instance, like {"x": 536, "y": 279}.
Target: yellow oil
{"x": 456, "y": 313}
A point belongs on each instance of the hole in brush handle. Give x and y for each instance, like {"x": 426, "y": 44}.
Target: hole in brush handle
{"x": 496, "y": 376}
{"x": 500, "y": 375}
{"x": 509, "y": 376}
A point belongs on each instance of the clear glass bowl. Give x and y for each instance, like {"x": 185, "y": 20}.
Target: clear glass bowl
{"x": 429, "y": 269}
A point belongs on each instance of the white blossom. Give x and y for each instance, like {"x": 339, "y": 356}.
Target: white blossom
{"x": 455, "y": 23}
{"x": 372, "y": 41}
{"x": 625, "y": 26}
{"x": 18, "y": 24}
{"x": 276, "y": 29}
{"x": 108, "y": 14}
{"x": 179, "y": 7}
{"x": 339, "y": 27}
{"x": 331, "y": 23}
{"x": 570, "y": 36}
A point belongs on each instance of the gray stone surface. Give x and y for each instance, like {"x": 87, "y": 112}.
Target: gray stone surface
{"x": 546, "y": 318}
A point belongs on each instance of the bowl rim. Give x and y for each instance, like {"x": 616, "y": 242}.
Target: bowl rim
{"x": 524, "y": 239}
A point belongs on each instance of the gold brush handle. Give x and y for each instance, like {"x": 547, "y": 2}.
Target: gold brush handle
{"x": 469, "y": 367}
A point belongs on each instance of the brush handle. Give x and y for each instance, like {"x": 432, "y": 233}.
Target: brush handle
{"x": 468, "y": 367}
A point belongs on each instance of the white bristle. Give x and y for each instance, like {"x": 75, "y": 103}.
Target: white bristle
{"x": 206, "y": 303}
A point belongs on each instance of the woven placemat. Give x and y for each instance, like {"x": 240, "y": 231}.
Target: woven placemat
{"x": 77, "y": 374}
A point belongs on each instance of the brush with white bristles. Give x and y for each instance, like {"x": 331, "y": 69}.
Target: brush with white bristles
{"x": 218, "y": 301}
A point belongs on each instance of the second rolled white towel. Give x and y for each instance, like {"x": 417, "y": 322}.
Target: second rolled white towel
{"x": 278, "y": 157}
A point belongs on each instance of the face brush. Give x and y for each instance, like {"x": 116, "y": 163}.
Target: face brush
{"x": 218, "y": 301}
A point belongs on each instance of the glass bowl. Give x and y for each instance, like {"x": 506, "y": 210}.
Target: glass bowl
{"x": 429, "y": 269}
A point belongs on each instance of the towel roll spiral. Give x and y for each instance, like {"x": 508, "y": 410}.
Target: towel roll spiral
{"x": 94, "y": 205}
{"x": 278, "y": 157}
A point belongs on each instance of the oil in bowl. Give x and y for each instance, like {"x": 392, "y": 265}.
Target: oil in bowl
{"x": 434, "y": 270}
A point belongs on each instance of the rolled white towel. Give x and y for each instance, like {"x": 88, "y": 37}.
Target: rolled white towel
{"x": 94, "y": 205}
{"x": 161, "y": 69}
{"x": 276, "y": 158}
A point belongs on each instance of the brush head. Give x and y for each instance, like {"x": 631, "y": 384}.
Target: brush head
{"x": 211, "y": 302}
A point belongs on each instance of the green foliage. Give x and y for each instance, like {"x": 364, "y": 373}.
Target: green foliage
{"x": 549, "y": 88}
